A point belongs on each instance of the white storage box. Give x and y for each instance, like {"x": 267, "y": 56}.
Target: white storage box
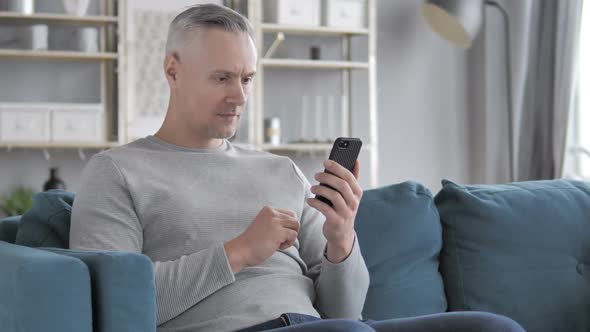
{"x": 21, "y": 122}
{"x": 293, "y": 12}
{"x": 77, "y": 123}
{"x": 345, "y": 13}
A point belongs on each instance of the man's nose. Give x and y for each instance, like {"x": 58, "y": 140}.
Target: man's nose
{"x": 237, "y": 95}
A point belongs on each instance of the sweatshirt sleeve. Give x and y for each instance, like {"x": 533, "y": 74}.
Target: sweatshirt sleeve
{"x": 104, "y": 218}
{"x": 340, "y": 288}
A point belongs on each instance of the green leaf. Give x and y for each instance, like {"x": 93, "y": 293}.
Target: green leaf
{"x": 19, "y": 201}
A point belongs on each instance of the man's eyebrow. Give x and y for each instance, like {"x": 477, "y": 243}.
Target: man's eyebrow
{"x": 229, "y": 73}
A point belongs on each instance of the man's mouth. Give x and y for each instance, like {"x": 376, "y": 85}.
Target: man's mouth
{"x": 229, "y": 115}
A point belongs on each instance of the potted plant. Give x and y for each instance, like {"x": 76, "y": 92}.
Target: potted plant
{"x": 17, "y": 202}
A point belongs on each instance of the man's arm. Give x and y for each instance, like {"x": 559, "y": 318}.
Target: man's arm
{"x": 104, "y": 218}
{"x": 341, "y": 286}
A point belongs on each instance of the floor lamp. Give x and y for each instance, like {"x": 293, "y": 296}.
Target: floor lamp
{"x": 459, "y": 21}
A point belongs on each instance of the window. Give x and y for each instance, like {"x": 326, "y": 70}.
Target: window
{"x": 578, "y": 157}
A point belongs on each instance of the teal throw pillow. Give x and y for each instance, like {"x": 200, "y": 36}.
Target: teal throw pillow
{"x": 399, "y": 233}
{"x": 47, "y": 223}
{"x": 521, "y": 250}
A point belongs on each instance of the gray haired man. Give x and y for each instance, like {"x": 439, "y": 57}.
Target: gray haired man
{"x": 236, "y": 237}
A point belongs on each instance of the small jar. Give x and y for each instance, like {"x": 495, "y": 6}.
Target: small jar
{"x": 272, "y": 131}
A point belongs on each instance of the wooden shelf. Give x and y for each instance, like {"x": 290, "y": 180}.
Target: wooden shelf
{"x": 58, "y": 145}
{"x": 313, "y": 64}
{"x": 58, "y": 55}
{"x": 18, "y": 18}
{"x": 306, "y": 30}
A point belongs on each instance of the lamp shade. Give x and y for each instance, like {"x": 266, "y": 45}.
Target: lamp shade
{"x": 457, "y": 21}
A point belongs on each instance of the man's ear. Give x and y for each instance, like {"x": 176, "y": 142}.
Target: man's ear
{"x": 171, "y": 62}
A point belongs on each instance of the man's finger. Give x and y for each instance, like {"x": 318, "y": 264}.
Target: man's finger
{"x": 356, "y": 171}
{"x": 288, "y": 212}
{"x": 290, "y": 237}
{"x": 337, "y": 184}
{"x": 324, "y": 208}
{"x": 341, "y": 172}
{"x": 290, "y": 224}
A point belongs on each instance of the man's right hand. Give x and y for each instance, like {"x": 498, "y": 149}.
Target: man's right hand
{"x": 272, "y": 230}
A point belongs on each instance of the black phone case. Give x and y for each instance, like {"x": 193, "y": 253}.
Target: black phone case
{"x": 343, "y": 156}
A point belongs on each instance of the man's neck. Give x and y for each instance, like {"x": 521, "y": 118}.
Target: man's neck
{"x": 173, "y": 132}
{"x": 177, "y": 138}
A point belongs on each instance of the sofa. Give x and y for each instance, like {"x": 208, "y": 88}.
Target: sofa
{"x": 520, "y": 249}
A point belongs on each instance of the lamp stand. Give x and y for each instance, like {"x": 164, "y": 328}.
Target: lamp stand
{"x": 508, "y": 86}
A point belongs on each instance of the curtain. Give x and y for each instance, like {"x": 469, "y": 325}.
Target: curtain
{"x": 549, "y": 89}
{"x": 543, "y": 48}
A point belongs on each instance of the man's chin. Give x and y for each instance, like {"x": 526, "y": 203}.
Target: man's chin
{"x": 225, "y": 134}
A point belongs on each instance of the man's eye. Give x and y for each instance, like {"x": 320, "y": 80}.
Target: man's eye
{"x": 247, "y": 80}
{"x": 221, "y": 79}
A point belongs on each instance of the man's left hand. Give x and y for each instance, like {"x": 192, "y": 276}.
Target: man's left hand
{"x": 346, "y": 195}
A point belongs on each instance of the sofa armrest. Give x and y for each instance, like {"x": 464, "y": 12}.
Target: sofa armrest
{"x": 123, "y": 289}
{"x": 8, "y": 228}
{"x": 43, "y": 291}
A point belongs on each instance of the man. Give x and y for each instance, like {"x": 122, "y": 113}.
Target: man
{"x": 235, "y": 236}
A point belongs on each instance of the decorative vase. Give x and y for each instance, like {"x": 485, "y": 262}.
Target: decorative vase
{"x": 22, "y": 6}
{"x": 88, "y": 39}
{"x": 54, "y": 182}
{"x": 76, "y": 7}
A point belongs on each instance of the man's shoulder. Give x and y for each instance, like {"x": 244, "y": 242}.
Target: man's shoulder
{"x": 123, "y": 152}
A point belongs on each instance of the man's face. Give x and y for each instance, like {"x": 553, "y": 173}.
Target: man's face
{"x": 212, "y": 81}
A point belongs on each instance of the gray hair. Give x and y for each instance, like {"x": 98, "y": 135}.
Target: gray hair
{"x": 205, "y": 16}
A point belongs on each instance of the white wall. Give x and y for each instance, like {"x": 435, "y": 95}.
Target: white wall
{"x": 423, "y": 130}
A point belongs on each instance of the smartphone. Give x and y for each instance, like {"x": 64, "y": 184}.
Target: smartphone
{"x": 345, "y": 151}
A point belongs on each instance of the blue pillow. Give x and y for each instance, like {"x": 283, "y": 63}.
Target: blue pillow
{"x": 123, "y": 289}
{"x": 47, "y": 223}
{"x": 399, "y": 234}
{"x": 521, "y": 250}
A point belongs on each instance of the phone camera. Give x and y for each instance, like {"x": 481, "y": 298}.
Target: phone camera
{"x": 343, "y": 144}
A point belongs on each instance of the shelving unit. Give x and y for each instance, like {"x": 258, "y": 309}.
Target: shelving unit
{"x": 345, "y": 66}
{"x": 115, "y": 76}
{"x": 58, "y": 55}
{"x": 109, "y": 57}
{"x": 17, "y": 18}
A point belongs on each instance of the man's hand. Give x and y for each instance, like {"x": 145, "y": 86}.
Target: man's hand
{"x": 339, "y": 226}
{"x": 271, "y": 230}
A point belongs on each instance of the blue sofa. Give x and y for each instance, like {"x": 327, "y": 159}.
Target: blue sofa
{"x": 521, "y": 250}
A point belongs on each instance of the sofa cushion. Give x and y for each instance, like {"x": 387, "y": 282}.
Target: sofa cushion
{"x": 47, "y": 223}
{"x": 8, "y": 228}
{"x": 521, "y": 250}
{"x": 43, "y": 291}
{"x": 399, "y": 233}
{"x": 123, "y": 289}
